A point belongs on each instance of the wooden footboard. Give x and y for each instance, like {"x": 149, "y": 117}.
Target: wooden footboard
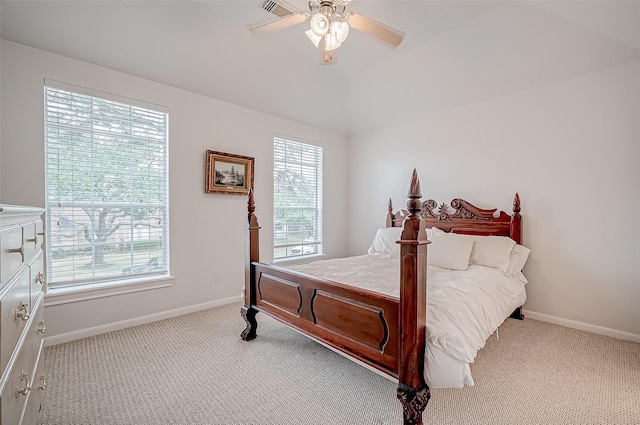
{"x": 360, "y": 323}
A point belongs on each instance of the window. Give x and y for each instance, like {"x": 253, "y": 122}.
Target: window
{"x": 297, "y": 203}
{"x": 106, "y": 187}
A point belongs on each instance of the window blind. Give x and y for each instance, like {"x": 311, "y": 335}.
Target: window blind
{"x": 106, "y": 176}
{"x": 297, "y": 176}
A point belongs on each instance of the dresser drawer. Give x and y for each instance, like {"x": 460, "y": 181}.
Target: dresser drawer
{"x": 38, "y": 386}
{"x": 14, "y": 308}
{"x": 36, "y": 268}
{"x": 12, "y": 253}
{"x": 28, "y": 362}
{"x": 35, "y": 336}
{"x": 32, "y": 349}
{"x": 30, "y": 239}
{"x": 16, "y": 391}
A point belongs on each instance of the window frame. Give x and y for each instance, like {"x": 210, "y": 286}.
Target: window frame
{"x": 312, "y": 246}
{"x": 98, "y": 286}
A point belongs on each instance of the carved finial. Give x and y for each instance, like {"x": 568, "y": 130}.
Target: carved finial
{"x": 390, "y": 214}
{"x": 516, "y": 203}
{"x": 251, "y": 206}
{"x": 414, "y": 195}
{"x": 415, "y": 191}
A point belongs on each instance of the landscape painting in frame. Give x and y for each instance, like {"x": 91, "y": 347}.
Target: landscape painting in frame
{"x": 229, "y": 173}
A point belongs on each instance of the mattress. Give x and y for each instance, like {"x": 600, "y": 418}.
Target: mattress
{"x": 463, "y": 307}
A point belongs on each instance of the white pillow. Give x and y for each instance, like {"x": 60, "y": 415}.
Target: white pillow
{"x": 492, "y": 251}
{"x": 517, "y": 260}
{"x": 434, "y": 231}
{"x": 385, "y": 240}
{"x": 449, "y": 251}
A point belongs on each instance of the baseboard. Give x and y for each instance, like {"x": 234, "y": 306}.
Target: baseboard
{"x": 97, "y": 330}
{"x": 582, "y": 326}
{"x": 83, "y": 333}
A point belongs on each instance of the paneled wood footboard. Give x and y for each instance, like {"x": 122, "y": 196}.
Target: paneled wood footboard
{"x": 361, "y": 323}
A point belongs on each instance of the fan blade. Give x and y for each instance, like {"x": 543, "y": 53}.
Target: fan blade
{"x": 283, "y": 23}
{"x": 384, "y": 33}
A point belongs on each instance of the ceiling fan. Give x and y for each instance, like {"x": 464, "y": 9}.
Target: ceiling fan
{"x": 329, "y": 24}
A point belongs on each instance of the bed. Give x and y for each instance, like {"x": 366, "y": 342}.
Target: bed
{"x": 386, "y": 329}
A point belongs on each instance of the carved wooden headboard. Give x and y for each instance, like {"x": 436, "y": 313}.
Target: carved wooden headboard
{"x": 465, "y": 218}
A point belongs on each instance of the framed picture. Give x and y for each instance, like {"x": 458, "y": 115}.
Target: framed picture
{"x": 228, "y": 173}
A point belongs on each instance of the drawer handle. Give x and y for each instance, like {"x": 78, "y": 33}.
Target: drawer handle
{"x": 42, "y": 386}
{"x": 34, "y": 240}
{"x": 18, "y": 250}
{"x": 22, "y": 312}
{"x": 40, "y": 278}
{"x": 41, "y": 327}
{"x": 27, "y": 388}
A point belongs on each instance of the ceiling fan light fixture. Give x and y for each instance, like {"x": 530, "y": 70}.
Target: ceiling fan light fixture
{"x": 340, "y": 30}
{"x": 315, "y": 39}
{"x": 319, "y": 24}
{"x": 330, "y": 24}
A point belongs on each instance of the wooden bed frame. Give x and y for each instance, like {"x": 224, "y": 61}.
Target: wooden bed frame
{"x": 384, "y": 332}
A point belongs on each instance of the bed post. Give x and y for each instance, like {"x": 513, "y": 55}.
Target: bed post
{"x": 413, "y": 391}
{"x": 390, "y": 213}
{"x": 248, "y": 311}
{"x": 515, "y": 231}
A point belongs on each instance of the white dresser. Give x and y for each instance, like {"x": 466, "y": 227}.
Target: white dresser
{"x": 22, "y": 327}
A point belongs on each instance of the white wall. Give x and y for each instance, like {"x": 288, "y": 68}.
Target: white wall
{"x": 0, "y": 109}
{"x": 206, "y": 230}
{"x": 570, "y": 148}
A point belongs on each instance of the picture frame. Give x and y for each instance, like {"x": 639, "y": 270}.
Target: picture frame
{"x": 228, "y": 173}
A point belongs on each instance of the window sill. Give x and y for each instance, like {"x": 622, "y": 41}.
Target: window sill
{"x": 72, "y": 294}
{"x": 299, "y": 259}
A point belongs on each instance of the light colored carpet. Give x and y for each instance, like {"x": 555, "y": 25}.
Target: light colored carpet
{"x": 195, "y": 369}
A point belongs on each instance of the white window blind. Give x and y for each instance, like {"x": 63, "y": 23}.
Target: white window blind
{"x": 297, "y": 192}
{"x": 106, "y": 188}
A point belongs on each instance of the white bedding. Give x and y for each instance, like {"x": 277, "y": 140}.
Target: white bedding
{"x": 463, "y": 307}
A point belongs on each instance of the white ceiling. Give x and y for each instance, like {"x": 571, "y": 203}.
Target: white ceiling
{"x": 454, "y": 52}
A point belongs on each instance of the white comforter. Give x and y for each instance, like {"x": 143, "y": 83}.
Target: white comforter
{"x": 463, "y": 307}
